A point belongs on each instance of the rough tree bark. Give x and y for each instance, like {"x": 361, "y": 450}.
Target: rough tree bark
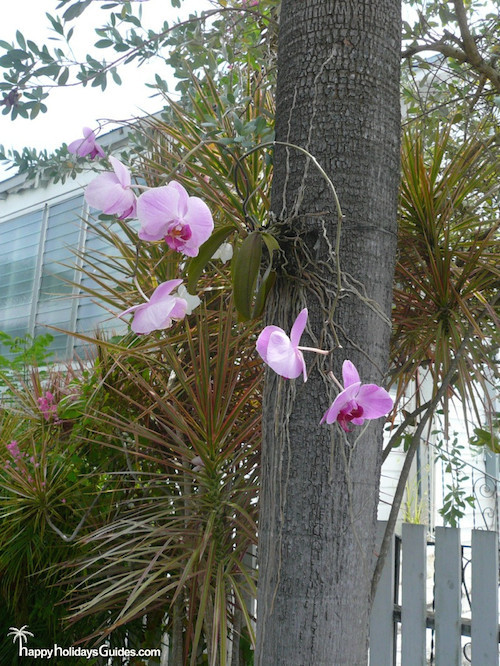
{"x": 338, "y": 97}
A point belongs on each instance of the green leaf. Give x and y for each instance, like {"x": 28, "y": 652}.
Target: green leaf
{"x": 48, "y": 70}
{"x": 103, "y": 43}
{"x": 76, "y": 9}
{"x": 55, "y": 24}
{"x": 116, "y": 77}
{"x": 271, "y": 242}
{"x": 64, "y": 77}
{"x": 207, "y": 250}
{"x": 20, "y": 39}
{"x": 246, "y": 267}
{"x": 35, "y": 111}
{"x": 267, "y": 283}
{"x": 12, "y": 57}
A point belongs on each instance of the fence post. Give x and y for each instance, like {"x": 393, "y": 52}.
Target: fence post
{"x": 484, "y": 623}
{"x": 413, "y": 612}
{"x": 448, "y": 584}
{"x": 382, "y": 614}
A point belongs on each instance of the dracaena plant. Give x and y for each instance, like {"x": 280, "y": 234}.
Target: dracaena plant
{"x": 447, "y": 274}
{"x": 181, "y": 539}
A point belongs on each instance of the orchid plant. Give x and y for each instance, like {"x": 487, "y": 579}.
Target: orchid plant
{"x": 355, "y": 403}
{"x": 165, "y": 213}
{"x": 168, "y": 213}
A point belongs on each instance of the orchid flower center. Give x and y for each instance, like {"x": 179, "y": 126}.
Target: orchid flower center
{"x": 177, "y": 234}
{"x": 351, "y": 411}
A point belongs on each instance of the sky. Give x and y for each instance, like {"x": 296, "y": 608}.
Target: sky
{"x": 70, "y": 109}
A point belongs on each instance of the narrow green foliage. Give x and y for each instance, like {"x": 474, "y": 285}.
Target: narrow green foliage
{"x": 449, "y": 257}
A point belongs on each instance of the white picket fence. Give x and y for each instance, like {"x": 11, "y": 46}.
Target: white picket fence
{"x": 405, "y": 611}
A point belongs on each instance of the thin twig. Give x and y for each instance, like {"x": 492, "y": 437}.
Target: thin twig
{"x": 63, "y": 536}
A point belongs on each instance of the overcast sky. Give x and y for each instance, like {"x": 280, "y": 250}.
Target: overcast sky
{"x": 70, "y": 109}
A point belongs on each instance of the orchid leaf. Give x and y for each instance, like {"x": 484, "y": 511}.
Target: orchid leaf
{"x": 246, "y": 267}
{"x": 206, "y": 252}
{"x": 266, "y": 284}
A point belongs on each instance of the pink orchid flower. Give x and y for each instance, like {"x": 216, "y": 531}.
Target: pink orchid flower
{"x": 112, "y": 193}
{"x": 169, "y": 213}
{"x": 282, "y": 353}
{"x": 357, "y": 401}
{"x": 160, "y": 311}
{"x": 86, "y": 146}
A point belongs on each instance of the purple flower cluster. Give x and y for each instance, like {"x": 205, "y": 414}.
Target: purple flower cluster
{"x": 13, "y": 449}
{"x": 48, "y": 407}
{"x": 19, "y": 461}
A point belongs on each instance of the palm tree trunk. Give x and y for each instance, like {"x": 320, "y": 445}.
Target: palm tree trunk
{"x": 337, "y": 97}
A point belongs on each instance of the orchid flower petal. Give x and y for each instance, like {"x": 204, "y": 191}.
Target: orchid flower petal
{"x": 298, "y": 327}
{"x": 121, "y": 171}
{"x": 374, "y": 400}
{"x": 282, "y": 357}
{"x": 156, "y": 209}
{"x": 349, "y": 374}
{"x": 182, "y": 197}
{"x": 153, "y": 317}
{"x": 131, "y": 309}
{"x": 104, "y": 192}
{"x": 263, "y": 340}
{"x": 164, "y": 289}
{"x": 199, "y": 219}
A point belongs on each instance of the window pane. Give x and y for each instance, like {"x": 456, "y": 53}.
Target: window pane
{"x": 54, "y": 303}
{"x": 19, "y": 243}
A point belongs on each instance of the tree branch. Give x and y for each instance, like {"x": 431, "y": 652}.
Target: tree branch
{"x": 402, "y": 427}
{"x": 438, "y": 47}
{"x": 469, "y": 52}
{"x": 469, "y": 43}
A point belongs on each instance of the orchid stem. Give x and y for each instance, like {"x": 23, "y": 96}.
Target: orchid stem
{"x": 136, "y": 282}
{"x": 335, "y": 380}
{"x": 314, "y": 349}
